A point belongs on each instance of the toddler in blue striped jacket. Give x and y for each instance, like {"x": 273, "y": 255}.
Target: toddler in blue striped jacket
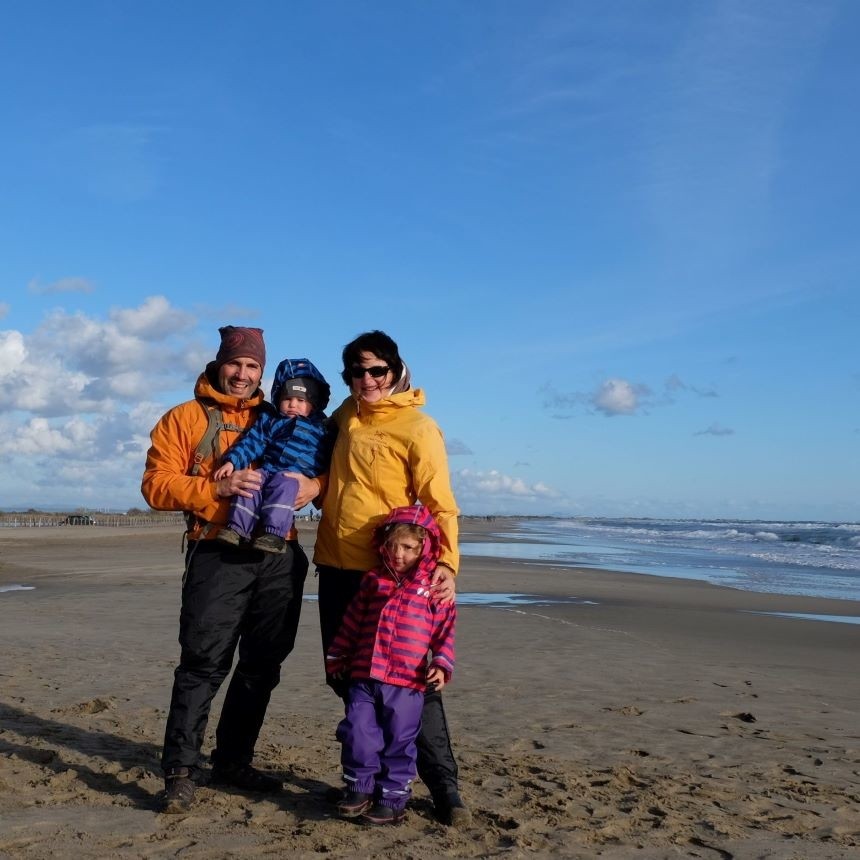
{"x": 291, "y": 438}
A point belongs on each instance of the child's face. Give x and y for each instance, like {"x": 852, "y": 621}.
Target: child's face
{"x": 296, "y": 407}
{"x": 403, "y": 552}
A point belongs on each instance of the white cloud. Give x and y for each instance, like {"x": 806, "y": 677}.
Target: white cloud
{"x": 619, "y": 397}
{"x": 79, "y": 395}
{"x": 155, "y": 319}
{"x": 471, "y": 484}
{"x": 73, "y": 364}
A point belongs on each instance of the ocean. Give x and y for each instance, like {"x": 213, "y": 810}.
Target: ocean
{"x": 813, "y": 559}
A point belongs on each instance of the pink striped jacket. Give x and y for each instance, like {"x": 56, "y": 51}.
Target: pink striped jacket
{"x": 393, "y": 631}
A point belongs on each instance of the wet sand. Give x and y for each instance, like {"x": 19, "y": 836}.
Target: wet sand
{"x": 637, "y": 716}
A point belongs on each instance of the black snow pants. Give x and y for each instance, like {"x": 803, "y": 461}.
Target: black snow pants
{"x": 231, "y": 596}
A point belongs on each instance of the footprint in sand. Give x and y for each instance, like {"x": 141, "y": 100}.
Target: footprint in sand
{"x": 627, "y": 711}
{"x": 94, "y": 706}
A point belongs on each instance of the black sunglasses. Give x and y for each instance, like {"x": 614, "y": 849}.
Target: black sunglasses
{"x": 375, "y": 372}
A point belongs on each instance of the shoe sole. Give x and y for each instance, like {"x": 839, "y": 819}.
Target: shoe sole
{"x": 370, "y": 819}
{"x": 354, "y": 811}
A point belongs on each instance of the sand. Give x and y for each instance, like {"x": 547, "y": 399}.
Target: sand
{"x": 664, "y": 718}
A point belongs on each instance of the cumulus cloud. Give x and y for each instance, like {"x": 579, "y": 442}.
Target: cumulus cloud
{"x": 456, "y": 447}
{"x": 79, "y": 395}
{"x": 73, "y": 364}
{"x": 716, "y": 429}
{"x": 613, "y": 396}
{"x": 619, "y": 397}
{"x": 470, "y": 484}
{"x": 616, "y": 395}
{"x": 63, "y": 285}
{"x": 155, "y": 319}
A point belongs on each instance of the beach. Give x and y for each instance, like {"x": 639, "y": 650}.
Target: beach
{"x": 609, "y": 715}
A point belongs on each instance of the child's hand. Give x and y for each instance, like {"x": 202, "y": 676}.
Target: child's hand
{"x": 223, "y": 471}
{"x": 436, "y": 677}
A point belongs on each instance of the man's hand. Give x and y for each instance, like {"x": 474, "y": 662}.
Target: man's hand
{"x": 241, "y": 483}
{"x": 442, "y": 583}
{"x": 309, "y": 488}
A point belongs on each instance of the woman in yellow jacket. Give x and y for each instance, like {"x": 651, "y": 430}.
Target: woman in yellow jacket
{"x": 388, "y": 454}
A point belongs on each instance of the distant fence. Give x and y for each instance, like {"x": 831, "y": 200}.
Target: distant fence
{"x": 83, "y": 521}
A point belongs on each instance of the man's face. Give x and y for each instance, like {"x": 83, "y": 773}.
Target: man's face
{"x": 240, "y": 377}
{"x": 296, "y": 407}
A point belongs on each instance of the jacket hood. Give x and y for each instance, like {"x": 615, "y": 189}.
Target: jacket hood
{"x": 291, "y": 368}
{"x": 414, "y": 515}
{"x": 388, "y": 405}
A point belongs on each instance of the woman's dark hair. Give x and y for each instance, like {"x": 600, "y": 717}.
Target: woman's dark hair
{"x": 377, "y": 342}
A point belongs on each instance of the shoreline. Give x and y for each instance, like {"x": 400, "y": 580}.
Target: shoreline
{"x": 654, "y": 716}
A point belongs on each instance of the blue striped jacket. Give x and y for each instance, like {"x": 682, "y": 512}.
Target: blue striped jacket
{"x": 282, "y": 444}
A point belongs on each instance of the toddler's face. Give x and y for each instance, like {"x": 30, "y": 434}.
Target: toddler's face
{"x": 402, "y": 553}
{"x": 296, "y": 407}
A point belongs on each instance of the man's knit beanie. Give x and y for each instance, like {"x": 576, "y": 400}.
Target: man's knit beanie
{"x": 240, "y": 342}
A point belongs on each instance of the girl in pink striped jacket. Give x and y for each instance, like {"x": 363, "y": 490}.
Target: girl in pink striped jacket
{"x": 395, "y": 641}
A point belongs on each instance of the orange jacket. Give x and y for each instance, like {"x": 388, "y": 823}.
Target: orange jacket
{"x": 167, "y": 483}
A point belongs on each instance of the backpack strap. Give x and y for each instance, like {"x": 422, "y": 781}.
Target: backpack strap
{"x": 208, "y": 448}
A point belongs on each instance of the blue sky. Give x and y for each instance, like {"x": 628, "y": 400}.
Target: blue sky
{"x": 616, "y": 242}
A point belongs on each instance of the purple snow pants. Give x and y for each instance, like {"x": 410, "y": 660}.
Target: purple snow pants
{"x": 377, "y": 738}
{"x": 272, "y": 507}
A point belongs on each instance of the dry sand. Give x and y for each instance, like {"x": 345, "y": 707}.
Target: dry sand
{"x": 664, "y": 720}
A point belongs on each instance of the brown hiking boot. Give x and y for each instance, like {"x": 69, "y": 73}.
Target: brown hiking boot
{"x": 270, "y": 543}
{"x": 178, "y": 793}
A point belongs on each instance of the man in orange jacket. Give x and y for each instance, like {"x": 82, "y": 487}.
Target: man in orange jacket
{"x": 230, "y": 595}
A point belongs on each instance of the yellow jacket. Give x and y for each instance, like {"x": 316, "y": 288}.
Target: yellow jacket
{"x": 167, "y": 483}
{"x": 387, "y": 455}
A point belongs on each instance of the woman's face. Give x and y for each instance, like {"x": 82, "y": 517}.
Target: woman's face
{"x": 371, "y": 388}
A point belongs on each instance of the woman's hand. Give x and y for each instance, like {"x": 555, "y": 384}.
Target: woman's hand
{"x": 242, "y": 483}
{"x": 442, "y": 583}
{"x": 309, "y": 488}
